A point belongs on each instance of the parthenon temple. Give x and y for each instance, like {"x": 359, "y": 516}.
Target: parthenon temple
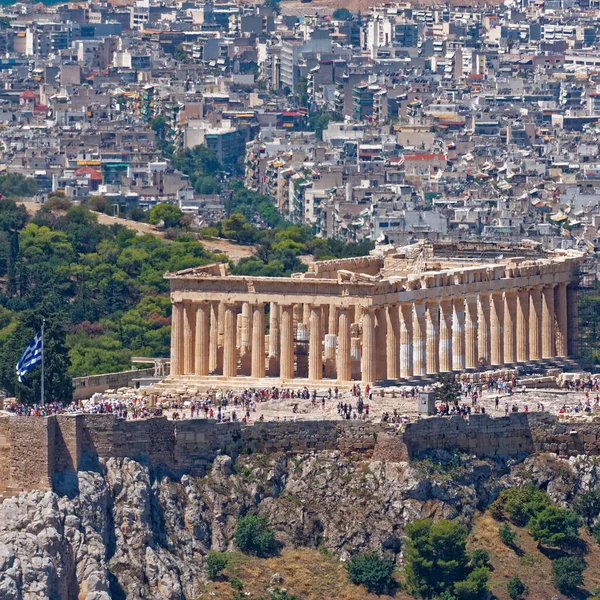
{"x": 397, "y": 314}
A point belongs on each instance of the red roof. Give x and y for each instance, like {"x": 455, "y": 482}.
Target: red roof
{"x": 424, "y": 157}
{"x": 92, "y": 173}
{"x": 28, "y": 94}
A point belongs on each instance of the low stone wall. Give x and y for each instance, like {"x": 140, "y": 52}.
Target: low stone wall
{"x": 33, "y": 450}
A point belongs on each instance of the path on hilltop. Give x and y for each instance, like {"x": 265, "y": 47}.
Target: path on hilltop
{"x": 235, "y": 252}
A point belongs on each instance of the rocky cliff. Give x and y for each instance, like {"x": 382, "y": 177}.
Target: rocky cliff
{"x": 124, "y": 529}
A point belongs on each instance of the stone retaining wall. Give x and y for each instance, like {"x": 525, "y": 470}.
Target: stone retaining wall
{"x": 33, "y": 450}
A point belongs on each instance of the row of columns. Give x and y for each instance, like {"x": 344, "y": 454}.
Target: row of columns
{"x": 377, "y": 343}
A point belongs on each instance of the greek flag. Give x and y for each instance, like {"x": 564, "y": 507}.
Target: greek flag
{"x": 31, "y": 357}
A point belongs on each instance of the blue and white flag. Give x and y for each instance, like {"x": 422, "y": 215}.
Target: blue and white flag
{"x": 31, "y": 357}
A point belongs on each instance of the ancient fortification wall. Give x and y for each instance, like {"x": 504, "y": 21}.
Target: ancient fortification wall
{"x": 33, "y": 450}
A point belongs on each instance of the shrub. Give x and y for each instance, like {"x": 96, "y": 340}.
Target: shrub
{"x": 520, "y": 504}
{"x": 372, "y": 571}
{"x": 517, "y": 590}
{"x": 215, "y": 563}
{"x": 254, "y": 536}
{"x": 474, "y": 587}
{"x": 596, "y": 532}
{"x": 436, "y": 556}
{"x": 587, "y": 506}
{"x": 567, "y": 573}
{"x": 507, "y": 535}
{"x": 480, "y": 558}
{"x": 282, "y": 595}
{"x": 555, "y": 527}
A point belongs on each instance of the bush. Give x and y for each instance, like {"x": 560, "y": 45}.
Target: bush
{"x": 372, "y": 571}
{"x": 517, "y": 590}
{"x": 507, "y": 535}
{"x": 215, "y": 563}
{"x": 480, "y": 558}
{"x": 436, "y": 556}
{"x": 474, "y": 587}
{"x": 587, "y": 506}
{"x": 520, "y": 504}
{"x": 555, "y": 527}
{"x": 596, "y": 532}
{"x": 567, "y": 573}
{"x": 254, "y": 536}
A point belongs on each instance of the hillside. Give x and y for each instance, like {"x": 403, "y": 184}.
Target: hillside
{"x": 125, "y": 529}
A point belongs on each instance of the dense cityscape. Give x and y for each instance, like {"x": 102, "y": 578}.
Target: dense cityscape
{"x": 299, "y": 300}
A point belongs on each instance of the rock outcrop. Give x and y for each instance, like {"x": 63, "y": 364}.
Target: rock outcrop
{"x": 124, "y": 529}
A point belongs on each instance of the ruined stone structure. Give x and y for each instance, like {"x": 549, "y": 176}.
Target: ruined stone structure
{"x": 67, "y": 443}
{"x": 419, "y": 310}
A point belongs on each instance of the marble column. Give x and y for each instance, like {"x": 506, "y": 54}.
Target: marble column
{"x": 213, "y": 353}
{"x": 329, "y": 350}
{"x": 344, "y": 365}
{"x": 548, "y": 322}
{"x": 324, "y": 320}
{"x": 229, "y": 349}
{"x": 458, "y": 334}
{"x": 368, "y": 347}
{"x": 380, "y": 343}
{"x": 510, "y": 326}
{"x": 221, "y": 337}
{"x": 258, "y": 341}
{"x": 420, "y": 339}
{"x": 287, "y": 342}
{"x": 274, "y": 341}
{"x": 332, "y": 326}
{"x": 189, "y": 330}
{"x": 535, "y": 323}
{"x": 484, "y": 331}
{"x": 560, "y": 308}
{"x": 471, "y": 332}
{"x": 497, "y": 328}
{"x": 177, "y": 366}
{"x": 445, "y": 335}
{"x": 433, "y": 336}
{"x": 306, "y": 314}
{"x": 405, "y": 314}
{"x": 572, "y": 322}
{"x": 393, "y": 343}
{"x": 202, "y": 340}
{"x": 245, "y": 355}
{"x": 523, "y": 325}
{"x": 315, "y": 345}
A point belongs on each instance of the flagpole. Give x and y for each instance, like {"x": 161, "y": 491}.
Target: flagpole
{"x": 42, "y": 390}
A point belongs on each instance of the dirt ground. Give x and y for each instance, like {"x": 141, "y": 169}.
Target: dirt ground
{"x": 233, "y": 251}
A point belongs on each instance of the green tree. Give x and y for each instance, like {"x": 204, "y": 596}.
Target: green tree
{"x": 15, "y": 184}
{"x": 587, "y": 506}
{"x": 254, "y": 536}
{"x": 215, "y": 563}
{"x": 57, "y": 382}
{"x": 237, "y": 228}
{"x": 436, "y": 556}
{"x": 520, "y": 504}
{"x": 480, "y": 558}
{"x": 342, "y": 14}
{"x": 567, "y": 573}
{"x": 12, "y": 219}
{"x": 448, "y": 390}
{"x": 507, "y": 535}
{"x": 474, "y": 587}
{"x": 167, "y": 214}
{"x": 555, "y": 527}
{"x": 517, "y": 590}
{"x": 372, "y": 571}
{"x": 181, "y": 55}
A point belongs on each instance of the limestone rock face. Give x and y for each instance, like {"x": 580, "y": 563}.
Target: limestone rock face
{"x": 123, "y": 529}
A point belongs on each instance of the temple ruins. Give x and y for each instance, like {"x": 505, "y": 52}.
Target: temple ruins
{"x": 398, "y": 314}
